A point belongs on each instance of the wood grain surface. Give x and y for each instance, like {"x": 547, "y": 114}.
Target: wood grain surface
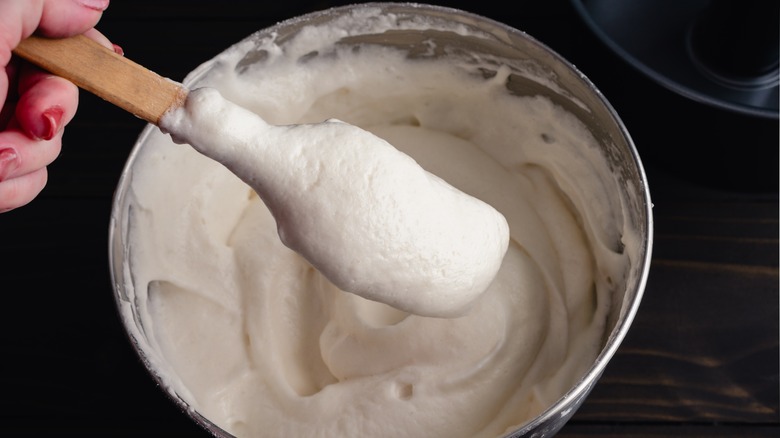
{"x": 701, "y": 358}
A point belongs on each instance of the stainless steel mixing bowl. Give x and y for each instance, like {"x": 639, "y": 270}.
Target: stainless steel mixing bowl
{"x": 565, "y": 86}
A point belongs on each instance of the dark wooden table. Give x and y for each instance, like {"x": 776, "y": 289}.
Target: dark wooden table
{"x": 700, "y": 360}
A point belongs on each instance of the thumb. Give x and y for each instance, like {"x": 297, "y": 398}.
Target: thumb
{"x": 63, "y": 18}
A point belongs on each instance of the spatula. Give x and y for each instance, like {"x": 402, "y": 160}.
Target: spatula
{"x": 106, "y": 74}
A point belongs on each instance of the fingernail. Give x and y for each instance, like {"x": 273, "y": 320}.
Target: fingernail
{"x": 9, "y": 161}
{"x": 50, "y": 123}
{"x": 98, "y": 5}
{"x": 118, "y": 50}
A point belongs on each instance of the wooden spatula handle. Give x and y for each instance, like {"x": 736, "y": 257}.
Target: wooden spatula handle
{"x": 106, "y": 74}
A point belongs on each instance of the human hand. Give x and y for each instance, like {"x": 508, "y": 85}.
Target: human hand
{"x": 35, "y": 106}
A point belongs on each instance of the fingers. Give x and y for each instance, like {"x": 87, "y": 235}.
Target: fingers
{"x": 52, "y": 18}
{"x": 7, "y": 106}
{"x": 46, "y": 103}
{"x": 32, "y": 138}
{"x": 62, "y": 18}
{"x": 22, "y": 190}
{"x": 35, "y": 106}
{"x": 25, "y": 155}
{"x": 23, "y": 164}
{"x": 95, "y": 35}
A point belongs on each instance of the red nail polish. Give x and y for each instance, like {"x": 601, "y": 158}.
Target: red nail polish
{"x": 52, "y": 118}
{"x": 118, "y": 49}
{"x": 9, "y": 161}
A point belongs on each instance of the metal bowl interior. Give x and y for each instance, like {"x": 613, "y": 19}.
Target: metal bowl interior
{"x": 563, "y": 84}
